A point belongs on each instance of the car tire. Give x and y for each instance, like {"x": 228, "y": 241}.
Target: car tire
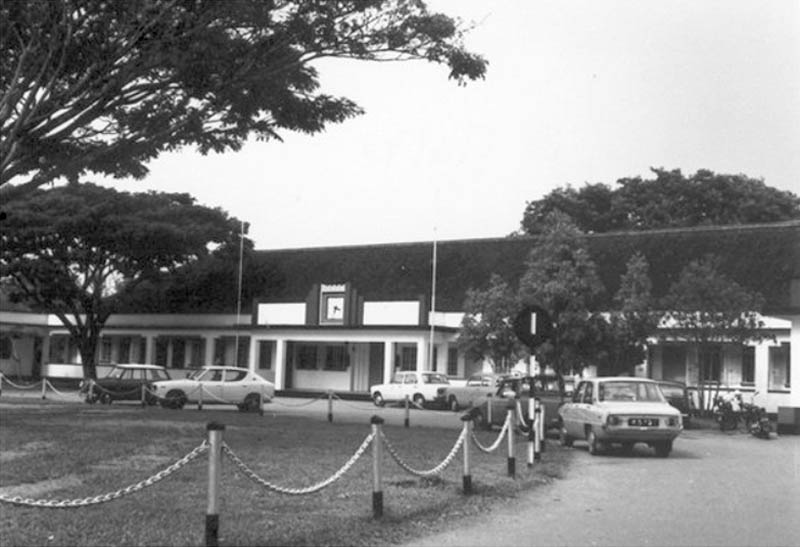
{"x": 663, "y": 448}
{"x": 595, "y": 446}
{"x": 175, "y": 399}
{"x": 251, "y": 403}
{"x": 105, "y": 399}
{"x": 378, "y": 399}
{"x": 480, "y": 419}
{"x": 419, "y": 400}
{"x": 453, "y": 403}
{"x": 564, "y": 438}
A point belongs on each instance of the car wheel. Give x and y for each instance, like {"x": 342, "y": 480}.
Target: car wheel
{"x": 564, "y": 438}
{"x": 480, "y": 419}
{"x": 251, "y": 403}
{"x": 453, "y": 403}
{"x": 595, "y": 446}
{"x": 419, "y": 400}
{"x": 105, "y": 399}
{"x": 377, "y": 398}
{"x": 176, "y": 399}
{"x": 663, "y": 449}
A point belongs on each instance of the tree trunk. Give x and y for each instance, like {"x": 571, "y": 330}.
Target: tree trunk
{"x": 88, "y": 349}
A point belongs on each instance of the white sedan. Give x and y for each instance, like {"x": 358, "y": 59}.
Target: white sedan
{"x": 216, "y": 385}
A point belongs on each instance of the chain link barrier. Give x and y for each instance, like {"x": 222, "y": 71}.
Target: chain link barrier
{"x": 430, "y": 472}
{"x": 346, "y": 403}
{"x": 305, "y": 403}
{"x": 57, "y": 392}
{"x": 252, "y": 475}
{"x": 19, "y": 386}
{"x": 493, "y": 447}
{"x": 522, "y": 419}
{"x": 103, "y": 498}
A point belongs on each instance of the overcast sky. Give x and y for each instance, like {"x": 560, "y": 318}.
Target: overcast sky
{"x": 576, "y": 92}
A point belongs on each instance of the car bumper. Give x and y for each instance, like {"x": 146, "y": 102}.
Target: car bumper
{"x": 637, "y": 434}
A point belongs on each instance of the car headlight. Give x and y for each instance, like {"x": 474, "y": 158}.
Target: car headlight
{"x": 674, "y": 421}
{"x": 613, "y": 420}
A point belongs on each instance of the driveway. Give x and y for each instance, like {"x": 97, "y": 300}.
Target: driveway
{"x": 714, "y": 489}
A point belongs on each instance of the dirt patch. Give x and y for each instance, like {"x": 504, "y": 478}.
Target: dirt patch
{"x": 25, "y": 450}
{"x": 42, "y": 487}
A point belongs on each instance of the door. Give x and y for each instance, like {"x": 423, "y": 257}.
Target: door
{"x": 212, "y": 386}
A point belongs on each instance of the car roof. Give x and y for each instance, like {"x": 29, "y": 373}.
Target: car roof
{"x": 599, "y": 379}
{"x": 223, "y": 367}
{"x": 671, "y": 383}
{"x": 139, "y": 366}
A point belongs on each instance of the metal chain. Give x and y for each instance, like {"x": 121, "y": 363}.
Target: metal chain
{"x": 496, "y": 443}
{"x": 434, "y": 471}
{"x": 100, "y": 388}
{"x": 12, "y": 384}
{"x": 352, "y": 405}
{"x": 522, "y": 419}
{"x": 301, "y": 404}
{"x": 82, "y": 502}
{"x": 252, "y": 475}
{"x": 57, "y": 392}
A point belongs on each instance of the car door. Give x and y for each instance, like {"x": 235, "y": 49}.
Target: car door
{"x": 235, "y": 387}
{"x": 571, "y": 412}
{"x": 212, "y": 385}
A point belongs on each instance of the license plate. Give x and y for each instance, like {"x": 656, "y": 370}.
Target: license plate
{"x": 643, "y": 422}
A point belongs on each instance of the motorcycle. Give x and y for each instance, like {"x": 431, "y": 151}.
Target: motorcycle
{"x": 756, "y": 419}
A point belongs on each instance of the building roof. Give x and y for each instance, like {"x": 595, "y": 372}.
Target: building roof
{"x": 762, "y": 257}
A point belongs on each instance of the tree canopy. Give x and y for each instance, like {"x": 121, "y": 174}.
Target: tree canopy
{"x": 77, "y": 250}
{"x": 102, "y": 86}
{"x": 669, "y": 200}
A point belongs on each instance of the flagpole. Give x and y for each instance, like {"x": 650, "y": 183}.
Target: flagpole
{"x": 432, "y": 320}
{"x": 239, "y": 293}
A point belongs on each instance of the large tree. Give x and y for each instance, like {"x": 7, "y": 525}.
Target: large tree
{"x": 668, "y": 200}
{"x": 487, "y": 332}
{"x": 105, "y": 86}
{"x": 561, "y": 277}
{"x": 76, "y": 250}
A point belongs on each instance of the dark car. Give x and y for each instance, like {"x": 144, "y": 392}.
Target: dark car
{"x": 678, "y": 396}
{"x": 549, "y": 389}
{"x": 124, "y": 383}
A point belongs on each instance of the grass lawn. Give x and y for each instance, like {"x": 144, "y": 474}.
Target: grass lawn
{"x": 62, "y": 451}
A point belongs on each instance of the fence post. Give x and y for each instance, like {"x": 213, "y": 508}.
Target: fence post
{"x": 330, "y": 405}
{"x": 44, "y": 387}
{"x": 537, "y": 439}
{"x": 541, "y": 429}
{"x": 214, "y": 472}
{"x": 144, "y": 397}
{"x": 260, "y": 403}
{"x": 489, "y": 409}
{"x": 407, "y": 420}
{"x": 200, "y": 398}
{"x": 377, "y": 489}
{"x": 531, "y": 429}
{"x": 512, "y": 464}
{"x": 468, "y": 419}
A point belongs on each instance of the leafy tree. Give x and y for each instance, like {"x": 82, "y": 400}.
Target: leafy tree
{"x": 561, "y": 277}
{"x": 706, "y": 307}
{"x": 105, "y": 86}
{"x": 669, "y": 200}
{"x": 631, "y": 321}
{"x": 76, "y": 250}
{"x": 486, "y": 330}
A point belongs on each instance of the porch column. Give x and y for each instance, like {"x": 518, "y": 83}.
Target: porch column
{"x": 422, "y": 354}
{"x": 441, "y": 357}
{"x": 388, "y": 361}
{"x": 794, "y": 362}
{"x": 279, "y": 362}
{"x": 149, "y": 349}
{"x": 209, "y": 351}
{"x": 252, "y": 361}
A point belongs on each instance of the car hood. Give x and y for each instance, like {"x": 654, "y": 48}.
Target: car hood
{"x": 622, "y": 407}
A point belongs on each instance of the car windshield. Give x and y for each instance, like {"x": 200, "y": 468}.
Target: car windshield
{"x": 434, "y": 379}
{"x": 116, "y": 373}
{"x": 197, "y": 374}
{"x": 671, "y": 391}
{"x": 629, "y": 391}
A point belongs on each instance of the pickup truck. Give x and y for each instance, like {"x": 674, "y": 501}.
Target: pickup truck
{"x": 549, "y": 389}
{"x": 421, "y": 387}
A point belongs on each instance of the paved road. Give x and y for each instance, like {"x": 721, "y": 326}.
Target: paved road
{"x": 715, "y": 489}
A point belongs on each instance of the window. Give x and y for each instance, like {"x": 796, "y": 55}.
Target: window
{"x": 452, "y": 361}
{"x": 265, "y": 354}
{"x": 306, "y": 357}
{"x": 408, "y": 357}
{"x": 748, "y": 364}
{"x": 779, "y": 372}
{"x": 710, "y": 358}
{"x": 105, "y": 350}
{"x": 234, "y": 375}
{"x": 6, "y": 347}
{"x": 587, "y": 395}
{"x": 336, "y": 358}
{"x": 243, "y": 352}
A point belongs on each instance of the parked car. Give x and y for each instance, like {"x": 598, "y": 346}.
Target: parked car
{"x": 124, "y": 383}
{"x": 548, "y": 388}
{"x": 216, "y": 385}
{"x": 473, "y": 392}
{"x": 620, "y": 410}
{"x": 421, "y": 387}
{"x": 677, "y": 395}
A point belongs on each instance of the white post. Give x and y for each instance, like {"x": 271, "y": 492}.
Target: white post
{"x": 214, "y": 473}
